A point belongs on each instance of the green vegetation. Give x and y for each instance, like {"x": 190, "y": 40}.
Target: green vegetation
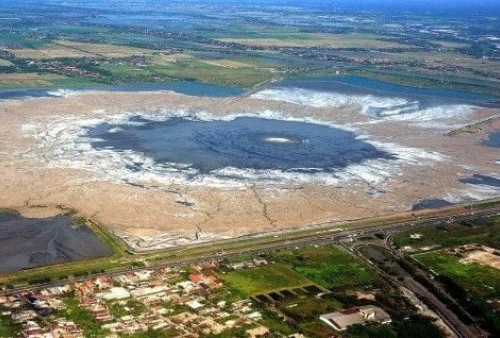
{"x": 135, "y": 308}
{"x": 474, "y": 278}
{"x": 305, "y": 311}
{"x": 75, "y": 82}
{"x": 119, "y": 247}
{"x": 150, "y": 333}
{"x": 425, "y": 80}
{"x": 474, "y": 285}
{"x": 123, "y": 258}
{"x": 79, "y": 221}
{"x": 328, "y": 266}
{"x": 5, "y": 210}
{"x": 82, "y": 317}
{"x": 479, "y": 231}
{"x": 413, "y": 327}
{"x": 310, "y": 308}
{"x": 249, "y": 282}
{"x": 106, "y": 52}
{"x": 188, "y": 70}
{"x": 275, "y": 324}
{"x": 8, "y": 328}
{"x": 53, "y": 273}
{"x": 487, "y": 205}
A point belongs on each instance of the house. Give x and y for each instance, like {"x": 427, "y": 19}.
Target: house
{"x": 341, "y": 320}
{"x": 210, "y": 281}
{"x": 148, "y": 291}
{"x": 104, "y": 282}
{"x": 259, "y": 331}
{"x": 194, "y": 304}
{"x": 188, "y": 286}
{"x": 66, "y": 329}
{"x": 115, "y": 293}
{"x": 237, "y": 266}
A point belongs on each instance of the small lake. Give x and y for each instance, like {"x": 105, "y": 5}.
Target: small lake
{"x": 32, "y": 242}
{"x": 187, "y": 88}
{"x": 478, "y": 179}
{"x": 431, "y": 204}
{"x": 365, "y": 86}
{"x": 493, "y": 140}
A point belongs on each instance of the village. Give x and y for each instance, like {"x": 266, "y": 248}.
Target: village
{"x": 135, "y": 302}
{"x": 164, "y": 302}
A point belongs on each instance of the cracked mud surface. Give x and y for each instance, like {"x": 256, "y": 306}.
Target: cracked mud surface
{"x": 153, "y": 214}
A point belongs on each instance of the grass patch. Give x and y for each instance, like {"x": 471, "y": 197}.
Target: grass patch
{"x": 328, "y": 266}
{"x": 310, "y": 308}
{"x": 150, "y": 333}
{"x": 474, "y": 285}
{"x": 480, "y": 231}
{"x": 82, "y": 317}
{"x": 104, "y": 50}
{"x": 307, "y": 40}
{"x": 421, "y": 78}
{"x": 136, "y": 308}
{"x": 57, "y": 272}
{"x": 275, "y": 324}
{"x": 73, "y": 82}
{"x": 475, "y": 278}
{"x": 190, "y": 70}
{"x": 263, "y": 279}
{"x": 4, "y": 210}
{"x": 70, "y": 49}
{"x": 27, "y": 79}
{"x": 487, "y": 205}
{"x": 8, "y": 328}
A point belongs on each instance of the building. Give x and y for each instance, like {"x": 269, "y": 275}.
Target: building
{"x": 115, "y": 293}
{"x": 259, "y": 331}
{"x": 341, "y": 320}
{"x": 148, "y": 291}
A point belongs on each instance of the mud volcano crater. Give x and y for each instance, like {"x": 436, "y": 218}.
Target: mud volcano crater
{"x": 242, "y": 143}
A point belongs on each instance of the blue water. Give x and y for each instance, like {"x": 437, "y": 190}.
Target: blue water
{"x": 245, "y": 142}
{"x": 361, "y": 85}
{"x": 18, "y": 94}
{"x": 493, "y": 140}
{"x": 340, "y": 84}
{"x": 187, "y": 88}
{"x": 478, "y": 179}
{"x": 431, "y": 204}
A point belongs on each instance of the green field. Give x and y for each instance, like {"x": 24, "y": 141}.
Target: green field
{"x": 328, "y": 266}
{"x": 474, "y": 278}
{"x": 475, "y": 285}
{"x": 310, "y": 308}
{"x": 265, "y": 279}
{"x": 8, "y": 328}
{"x": 82, "y": 317}
{"x": 191, "y": 70}
{"x": 484, "y": 231}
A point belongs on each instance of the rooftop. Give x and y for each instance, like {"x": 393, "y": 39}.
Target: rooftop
{"x": 341, "y": 320}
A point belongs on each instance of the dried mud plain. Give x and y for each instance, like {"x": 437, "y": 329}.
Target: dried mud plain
{"x": 40, "y": 165}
